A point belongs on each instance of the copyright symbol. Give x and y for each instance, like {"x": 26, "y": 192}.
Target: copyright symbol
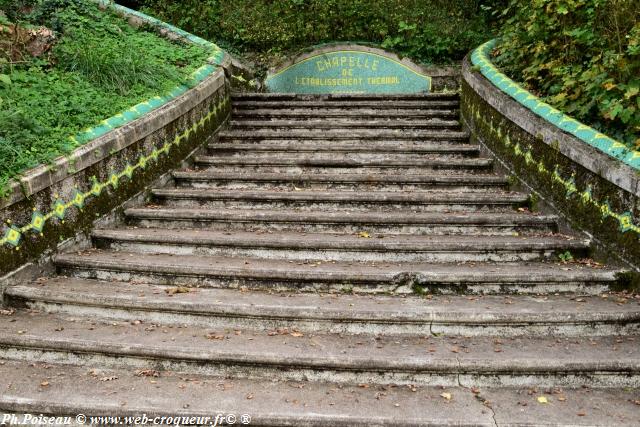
{"x": 81, "y": 419}
{"x": 231, "y": 419}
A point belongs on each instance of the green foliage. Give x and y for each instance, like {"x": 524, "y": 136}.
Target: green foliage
{"x": 432, "y": 31}
{"x": 565, "y": 257}
{"x": 99, "y": 67}
{"x": 581, "y": 56}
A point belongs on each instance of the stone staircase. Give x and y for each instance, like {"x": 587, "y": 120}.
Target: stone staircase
{"x": 330, "y": 261}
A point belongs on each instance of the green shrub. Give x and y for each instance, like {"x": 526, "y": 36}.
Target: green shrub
{"x": 581, "y": 56}
{"x": 99, "y": 67}
{"x": 431, "y": 31}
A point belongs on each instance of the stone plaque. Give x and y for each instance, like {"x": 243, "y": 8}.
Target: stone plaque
{"x": 348, "y": 69}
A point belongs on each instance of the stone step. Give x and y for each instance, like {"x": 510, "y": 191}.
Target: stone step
{"x": 335, "y": 181}
{"x": 279, "y": 105}
{"x": 436, "y": 223}
{"x": 316, "y": 163}
{"x": 346, "y": 125}
{"x": 339, "y": 247}
{"x": 516, "y": 315}
{"x": 287, "y": 275}
{"x": 348, "y": 359}
{"x": 74, "y": 390}
{"x": 343, "y": 98}
{"x": 339, "y": 112}
{"x": 414, "y": 201}
{"x": 353, "y": 148}
{"x": 422, "y": 135}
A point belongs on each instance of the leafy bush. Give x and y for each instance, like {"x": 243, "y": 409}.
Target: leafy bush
{"x": 432, "y": 31}
{"x": 581, "y": 56}
{"x": 99, "y": 66}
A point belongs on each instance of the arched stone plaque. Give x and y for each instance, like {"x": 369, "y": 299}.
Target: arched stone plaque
{"x": 348, "y": 69}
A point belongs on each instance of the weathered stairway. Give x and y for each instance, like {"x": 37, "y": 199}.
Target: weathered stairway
{"x": 331, "y": 260}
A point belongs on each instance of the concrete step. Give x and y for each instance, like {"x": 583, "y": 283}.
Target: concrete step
{"x": 338, "y": 247}
{"x": 287, "y": 275}
{"x": 509, "y": 316}
{"x": 73, "y": 390}
{"x": 279, "y": 105}
{"x": 316, "y": 163}
{"x": 421, "y": 135}
{"x": 414, "y": 201}
{"x": 344, "y": 125}
{"x": 348, "y": 359}
{"x": 353, "y": 148}
{"x": 470, "y": 223}
{"x": 339, "y": 181}
{"x": 343, "y": 98}
{"x": 340, "y": 113}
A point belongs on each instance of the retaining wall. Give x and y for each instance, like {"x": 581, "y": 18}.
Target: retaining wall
{"x": 591, "y": 179}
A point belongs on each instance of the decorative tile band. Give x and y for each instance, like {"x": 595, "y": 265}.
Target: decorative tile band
{"x": 625, "y": 220}
{"x": 14, "y": 234}
{"x": 480, "y": 58}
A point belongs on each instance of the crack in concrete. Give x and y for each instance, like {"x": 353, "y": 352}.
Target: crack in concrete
{"x": 477, "y": 396}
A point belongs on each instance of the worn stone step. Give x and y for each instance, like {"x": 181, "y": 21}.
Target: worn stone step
{"x": 343, "y": 98}
{"x": 478, "y": 223}
{"x": 346, "y": 125}
{"x": 276, "y": 274}
{"x": 413, "y": 201}
{"x": 279, "y": 105}
{"x": 326, "y": 181}
{"x": 275, "y": 162}
{"x": 421, "y": 135}
{"x": 516, "y": 315}
{"x": 339, "y": 247}
{"x": 348, "y": 148}
{"x": 349, "y": 359}
{"x": 72, "y": 390}
{"x": 334, "y": 112}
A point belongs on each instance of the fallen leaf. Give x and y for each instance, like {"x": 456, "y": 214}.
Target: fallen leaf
{"x": 214, "y": 336}
{"x": 297, "y": 334}
{"x": 105, "y": 379}
{"x": 178, "y": 290}
{"x": 44, "y": 383}
{"x": 364, "y": 235}
{"x": 447, "y": 396}
{"x": 542, "y": 399}
{"x": 147, "y": 373}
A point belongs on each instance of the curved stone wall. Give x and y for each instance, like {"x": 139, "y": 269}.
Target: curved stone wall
{"x": 119, "y": 158}
{"x": 592, "y": 180}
